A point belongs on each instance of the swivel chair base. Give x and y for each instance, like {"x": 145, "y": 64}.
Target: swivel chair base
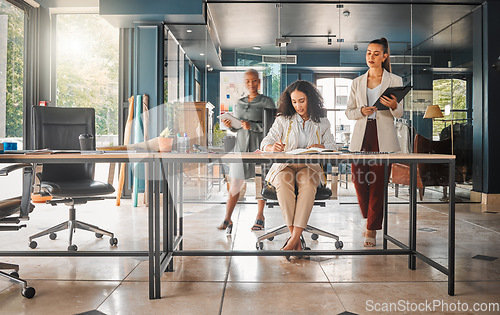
{"x": 72, "y": 224}
{"x": 27, "y": 292}
{"x": 282, "y": 229}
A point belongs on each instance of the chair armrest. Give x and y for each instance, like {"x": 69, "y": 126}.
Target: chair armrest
{"x": 26, "y": 207}
{"x": 6, "y": 170}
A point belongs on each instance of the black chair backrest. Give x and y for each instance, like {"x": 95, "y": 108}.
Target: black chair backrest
{"x": 58, "y": 128}
{"x": 269, "y": 114}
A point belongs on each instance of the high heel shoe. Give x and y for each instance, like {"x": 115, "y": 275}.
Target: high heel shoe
{"x": 286, "y": 242}
{"x": 370, "y": 241}
{"x": 258, "y": 225}
{"x": 226, "y": 226}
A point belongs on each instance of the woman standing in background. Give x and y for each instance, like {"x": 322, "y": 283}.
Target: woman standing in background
{"x": 249, "y": 110}
{"x": 374, "y": 131}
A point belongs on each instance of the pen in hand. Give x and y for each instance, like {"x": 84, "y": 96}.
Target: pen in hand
{"x": 282, "y": 145}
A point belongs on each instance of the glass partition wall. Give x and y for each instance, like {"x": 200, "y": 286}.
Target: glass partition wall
{"x": 430, "y": 48}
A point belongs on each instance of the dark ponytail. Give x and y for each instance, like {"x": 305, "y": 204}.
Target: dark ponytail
{"x": 384, "y": 43}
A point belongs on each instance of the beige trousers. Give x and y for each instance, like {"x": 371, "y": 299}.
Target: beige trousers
{"x": 296, "y": 209}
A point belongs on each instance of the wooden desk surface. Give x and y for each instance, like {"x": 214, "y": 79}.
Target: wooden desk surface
{"x": 224, "y": 158}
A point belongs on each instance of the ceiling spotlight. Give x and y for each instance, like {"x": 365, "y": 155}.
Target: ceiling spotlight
{"x": 208, "y": 66}
{"x": 356, "y": 47}
{"x": 282, "y": 42}
{"x": 346, "y": 13}
{"x": 189, "y": 31}
{"x": 202, "y": 54}
{"x": 256, "y": 47}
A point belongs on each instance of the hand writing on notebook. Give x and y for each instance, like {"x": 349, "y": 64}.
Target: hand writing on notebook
{"x": 277, "y": 147}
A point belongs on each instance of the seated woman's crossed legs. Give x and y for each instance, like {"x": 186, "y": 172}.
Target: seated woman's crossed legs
{"x": 296, "y": 209}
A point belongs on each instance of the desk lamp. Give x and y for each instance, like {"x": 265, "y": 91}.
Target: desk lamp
{"x": 433, "y": 111}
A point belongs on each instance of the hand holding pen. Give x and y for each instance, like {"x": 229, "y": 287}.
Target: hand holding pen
{"x": 368, "y": 110}
{"x": 277, "y": 147}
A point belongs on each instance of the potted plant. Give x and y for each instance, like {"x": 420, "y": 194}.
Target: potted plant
{"x": 165, "y": 140}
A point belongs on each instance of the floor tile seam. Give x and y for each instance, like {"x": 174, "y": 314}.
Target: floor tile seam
{"x": 71, "y": 280}
{"x": 337, "y": 294}
{"x": 8, "y": 286}
{"x": 460, "y": 219}
{"x": 230, "y": 261}
{"x": 269, "y": 282}
{"x": 187, "y": 281}
{"x": 324, "y": 272}
{"x": 387, "y": 281}
{"x": 119, "y": 284}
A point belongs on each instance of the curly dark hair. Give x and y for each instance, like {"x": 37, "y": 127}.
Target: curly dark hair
{"x": 315, "y": 107}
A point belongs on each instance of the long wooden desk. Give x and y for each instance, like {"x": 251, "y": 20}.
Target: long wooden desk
{"x": 172, "y": 167}
{"x": 166, "y": 233}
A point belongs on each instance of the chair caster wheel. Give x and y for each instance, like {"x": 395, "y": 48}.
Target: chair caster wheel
{"x": 72, "y": 248}
{"x": 28, "y": 293}
{"x": 98, "y": 235}
{"x": 339, "y": 244}
{"x": 314, "y": 236}
{"x": 33, "y": 244}
{"x": 52, "y": 236}
{"x": 113, "y": 241}
{"x": 14, "y": 274}
{"x": 307, "y": 248}
{"x": 259, "y": 245}
{"x": 271, "y": 238}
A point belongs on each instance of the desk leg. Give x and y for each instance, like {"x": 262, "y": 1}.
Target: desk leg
{"x": 413, "y": 216}
{"x": 165, "y": 187}
{"x": 151, "y": 244}
{"x": 170, "y": 213}
{"x": 181, "y": 208}
{"x": 385, "y": 209}
{"x": 154, "y": 234}
{"x": 451, "y": 231}
{"x": 156, "y": 183}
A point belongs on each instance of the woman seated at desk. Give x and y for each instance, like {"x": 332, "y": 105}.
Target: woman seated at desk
{"x": 300, "y": 123}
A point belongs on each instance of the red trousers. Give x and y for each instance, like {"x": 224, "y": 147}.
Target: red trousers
{"x": 369, "y": 182}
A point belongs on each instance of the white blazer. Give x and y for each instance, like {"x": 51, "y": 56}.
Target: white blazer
{"x": 287, "y": 129}
{"x": 386, "y": 132}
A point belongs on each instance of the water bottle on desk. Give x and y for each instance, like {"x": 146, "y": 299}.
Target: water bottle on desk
{"x": 182, "y": 143}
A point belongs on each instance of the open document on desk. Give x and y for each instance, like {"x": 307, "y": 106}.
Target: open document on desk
{"x": 313, "y": 151}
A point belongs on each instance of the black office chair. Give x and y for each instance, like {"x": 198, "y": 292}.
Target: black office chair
{"x": 269, "y": 194}
{"x": 58, "y": 128}
{"x": 12, "y": 212}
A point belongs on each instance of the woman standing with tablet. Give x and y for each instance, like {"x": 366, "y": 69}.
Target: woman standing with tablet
{"x": 248, "y": 137}
{"x": 374, "y": 131}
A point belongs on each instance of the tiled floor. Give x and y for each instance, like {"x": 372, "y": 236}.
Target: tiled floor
{"x": 256, "y": 285}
